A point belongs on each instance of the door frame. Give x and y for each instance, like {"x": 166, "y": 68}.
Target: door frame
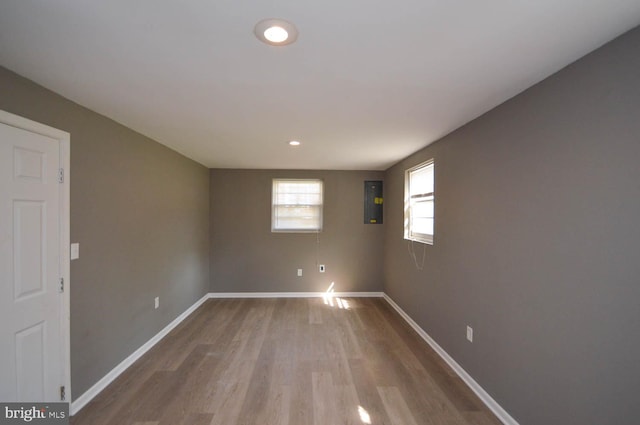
{"x": 64, "y": 140}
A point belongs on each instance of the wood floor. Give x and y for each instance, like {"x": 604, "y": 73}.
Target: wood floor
{"x": 289, "y": 361}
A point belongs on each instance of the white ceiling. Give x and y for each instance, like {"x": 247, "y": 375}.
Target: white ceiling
{"x": 367, "y": 83}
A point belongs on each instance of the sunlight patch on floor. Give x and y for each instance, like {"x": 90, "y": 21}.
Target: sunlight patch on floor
{"x": 329, "y": 297}
{"x": 364, "y": 415}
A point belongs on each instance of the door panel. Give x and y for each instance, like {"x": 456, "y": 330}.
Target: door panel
{"x": 28, "y": 258}
{"x": 28, "y": 165}
{"x": 31, "y": 354}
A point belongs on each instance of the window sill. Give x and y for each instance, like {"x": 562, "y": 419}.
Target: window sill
{"x": 425, "y": 241}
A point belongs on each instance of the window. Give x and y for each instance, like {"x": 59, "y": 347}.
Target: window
{"x": 419, "y": 203}
{"x": 296, "y": 205}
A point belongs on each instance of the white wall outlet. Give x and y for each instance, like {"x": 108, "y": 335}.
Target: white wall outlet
{"x": 321, "y": 268}
{"x": 75, "y": 251}
{"x": 299, "y": 272}
{"x": 157, "y": 302}
{"x": 469, "y": 334}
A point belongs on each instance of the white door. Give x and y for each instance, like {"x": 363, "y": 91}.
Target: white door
{"x": 33, "y": 320}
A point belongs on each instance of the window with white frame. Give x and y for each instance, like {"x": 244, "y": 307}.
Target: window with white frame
{"x": 419, "y": 203}
{"x": 296, "y": 205}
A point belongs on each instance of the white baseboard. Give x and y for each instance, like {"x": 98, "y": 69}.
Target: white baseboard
{"x": 471, "y": 383}
{"x": 293, "y": 294}
{"x": 85, "y": 398}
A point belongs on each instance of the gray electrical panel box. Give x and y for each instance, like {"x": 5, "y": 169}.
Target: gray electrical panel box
{"x": 373, "y": 202}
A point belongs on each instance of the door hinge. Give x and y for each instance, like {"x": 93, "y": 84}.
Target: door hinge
{"x": 63, "y": 394}
{"x": 61, "y": 175}
{"x": 61, "y": 287}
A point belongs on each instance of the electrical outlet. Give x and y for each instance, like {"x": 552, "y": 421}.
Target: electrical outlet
{"x": 157, "y": 302}
{"x": 321, "y": 267}
{"x": 299, "y": 272}
{"x": 469, "y": 333}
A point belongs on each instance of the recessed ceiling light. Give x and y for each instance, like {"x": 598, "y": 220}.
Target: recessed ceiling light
{"x": 276, "y": 32}
{"x": 294, "y": 143}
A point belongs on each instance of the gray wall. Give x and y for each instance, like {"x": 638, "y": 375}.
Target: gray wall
{"x": 536, "y": 245}
{"x": 246, "y": 256}
{"x": 140, "y": 212}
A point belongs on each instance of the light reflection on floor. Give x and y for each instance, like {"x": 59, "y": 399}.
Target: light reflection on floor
{"x": 329, "y": 297}
{"x": 364, "y": 415}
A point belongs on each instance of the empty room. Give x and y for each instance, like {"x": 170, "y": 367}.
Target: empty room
{"x": 297, "y": 213}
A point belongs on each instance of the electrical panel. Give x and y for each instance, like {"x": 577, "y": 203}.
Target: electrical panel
{"x": 373, "y": 202}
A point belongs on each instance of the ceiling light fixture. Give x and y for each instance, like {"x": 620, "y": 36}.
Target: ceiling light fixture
{"x": 294, "y": 143}
{"x": 276, "y": 32}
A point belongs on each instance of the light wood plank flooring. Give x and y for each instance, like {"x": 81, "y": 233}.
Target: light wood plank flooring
{"x": 292, "y": 362}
